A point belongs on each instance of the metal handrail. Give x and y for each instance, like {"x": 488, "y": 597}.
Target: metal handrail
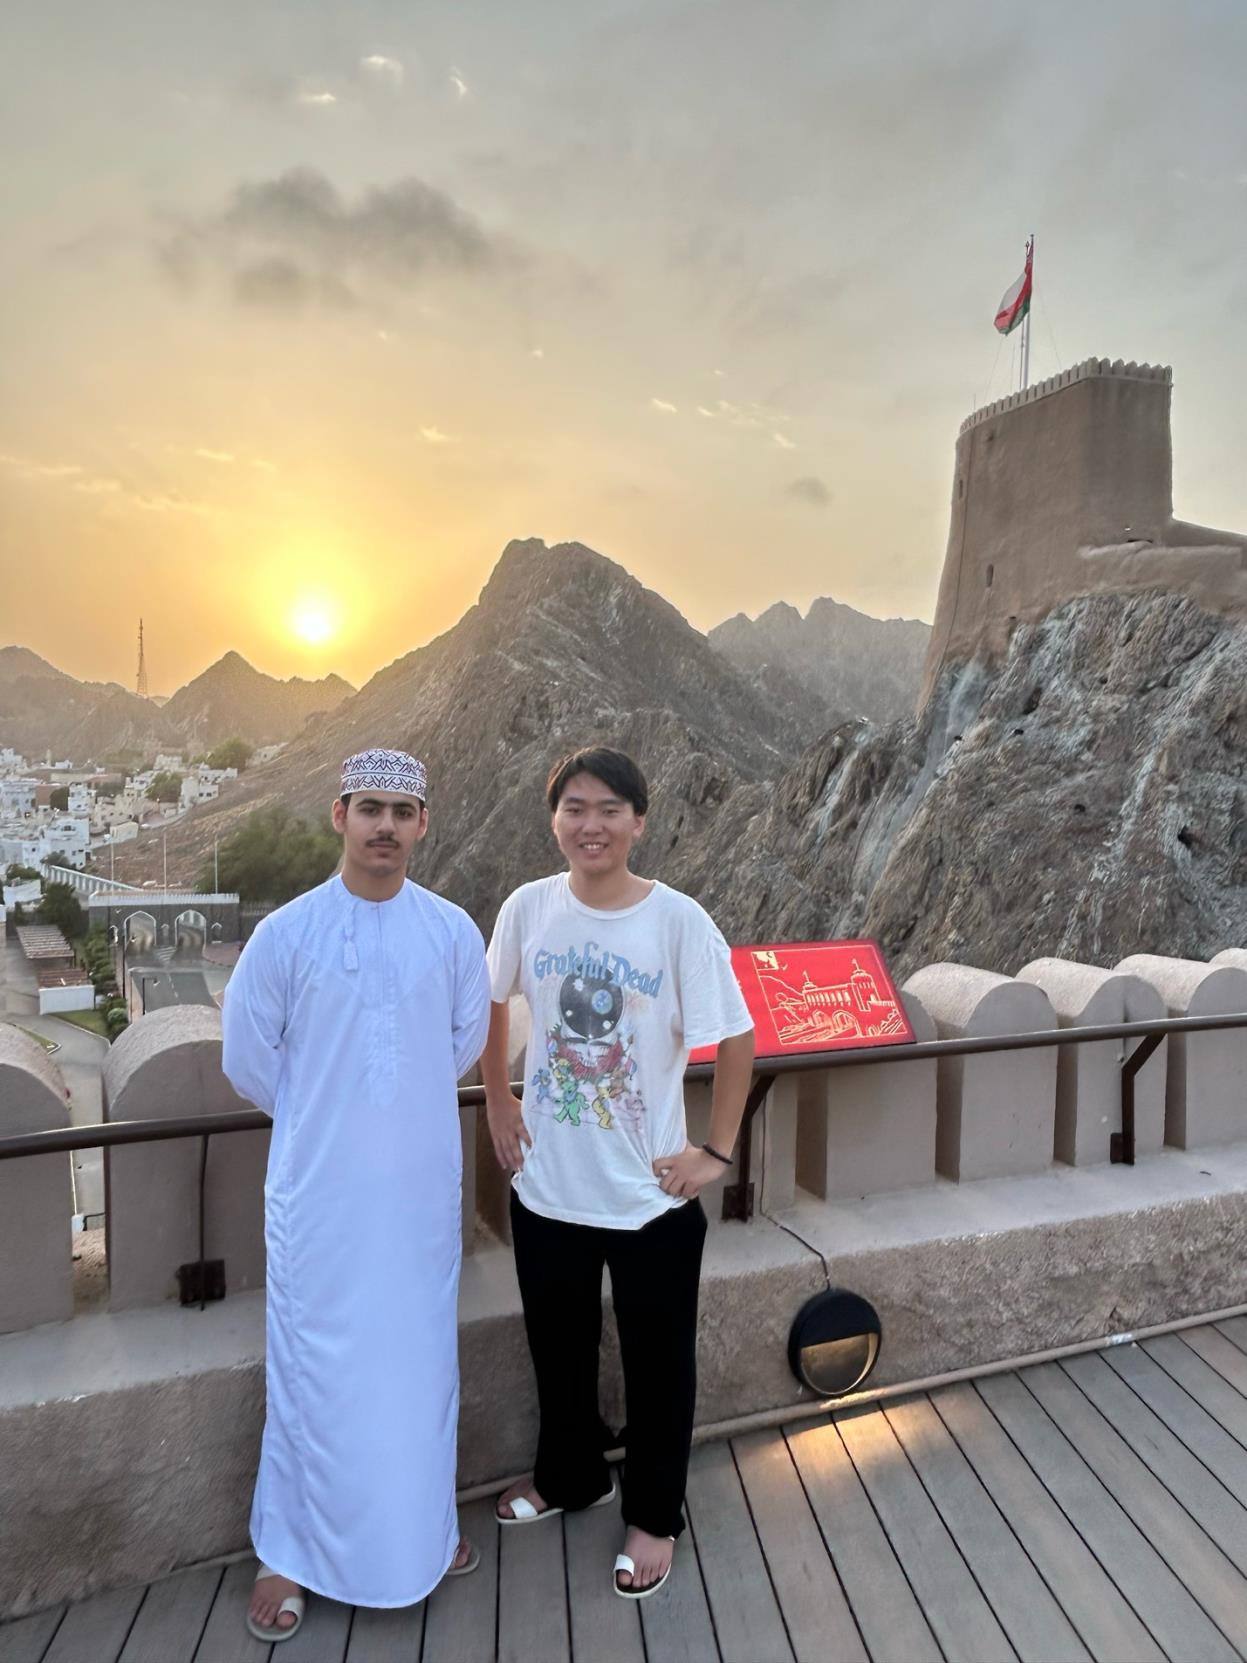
{"x": 738, "y": 1197}
{"x": 106, "y": 1134}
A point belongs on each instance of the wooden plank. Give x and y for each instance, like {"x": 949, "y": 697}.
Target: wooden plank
{"x": 1106, "y": 1623}
{"x": 1173, "y": 1617}
{"x": 1235, "y": 1330}
{"x": 816, "y": 1613}
{"x": 393, "y": 1636}
{"x": 532, "y": 1594}
{"x": 747, "y": 1621}
{"x": 1212, "y": 1391}
{"x": 26, "y": 1640}
{"x": 677, "y": 1622}
{"x": 171, "y": 1619}
{"x": 960, "y": 1618}
{"x": 890, "y": 1619}
{"x": 604, "y": 1628}
{"x": 1220, "y": 1354}
{"x": 322, "y": 1638}
{"x": 1208, "y": 1502}
{"x": 1201, "y": 1434}
{"x": 95, "y": 1630}
{"x": 461, "y": 1614}
{"x": 1025, "y": 1608}
{"x": 226, "y": 1638}
{"x": 1204, "y": 1571}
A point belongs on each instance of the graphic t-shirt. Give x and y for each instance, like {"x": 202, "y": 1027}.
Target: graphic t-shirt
{"x": 618, "y": 1000}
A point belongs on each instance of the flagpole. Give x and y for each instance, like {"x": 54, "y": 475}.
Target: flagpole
{"x": 1026, "y": 321}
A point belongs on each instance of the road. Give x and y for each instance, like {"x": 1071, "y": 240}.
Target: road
{"x": 79, "y": 1056}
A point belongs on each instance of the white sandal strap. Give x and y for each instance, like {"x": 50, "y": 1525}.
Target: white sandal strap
{"x": 522, "y": 1508}
{"x": 623, "y": 1563}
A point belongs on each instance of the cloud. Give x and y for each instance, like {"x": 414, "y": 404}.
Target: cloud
{"x": 215, "y": 455}
{"x": 435, "y": 436}
{"x": 538, "y": 352}
{"x": 287, "y": 241}
{"x": 383, "y": 68}
{"x": 459, "y": 84}
{"x": 276, "y": 283}
{"x": 783, "y": 441}
{"x": 662, "y": 404}
{"x": 809, "y": 490}
{"x": 40, "y": 470}
{"x": 98, "y": 487}
{"x": 307, "y": 95}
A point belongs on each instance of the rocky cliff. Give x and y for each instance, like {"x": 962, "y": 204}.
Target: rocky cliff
{"x": 848, "y": 664}
{"x": 231, "y": 698}
{"x": 43, "y": 709}
{"x": 1086, "y": 798}
{"x": 564, "y": 648}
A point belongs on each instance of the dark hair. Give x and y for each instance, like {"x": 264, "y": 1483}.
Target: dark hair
{"x": 613, "y": 768}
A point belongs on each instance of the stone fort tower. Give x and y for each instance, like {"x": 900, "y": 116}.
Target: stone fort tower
{"x": 1066, "y": 489}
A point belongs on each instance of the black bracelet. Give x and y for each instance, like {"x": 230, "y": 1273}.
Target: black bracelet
{"x": 726, "y": 1159}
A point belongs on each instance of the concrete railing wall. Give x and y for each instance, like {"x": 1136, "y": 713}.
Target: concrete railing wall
{"x": 830, "y": 1136}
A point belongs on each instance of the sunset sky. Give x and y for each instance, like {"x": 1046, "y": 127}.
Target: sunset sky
{"x": 308, "y": 309}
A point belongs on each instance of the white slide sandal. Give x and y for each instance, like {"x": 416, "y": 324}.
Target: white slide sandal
{"x": 623, "y": 1563}
{"x": 469, "y": 1564}
{"x": 525, "y": 1513}
{"x": 295, "y": 1603}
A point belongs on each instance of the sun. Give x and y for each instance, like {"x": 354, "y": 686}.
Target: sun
{"x": 312, "y": 621}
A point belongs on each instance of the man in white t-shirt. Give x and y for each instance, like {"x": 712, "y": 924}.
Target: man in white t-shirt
{"x": 623, "y": 977}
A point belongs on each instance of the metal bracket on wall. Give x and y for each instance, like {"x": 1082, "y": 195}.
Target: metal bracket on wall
{"x": 738, "y": 1197}
{"x": 1121, "y": 1144}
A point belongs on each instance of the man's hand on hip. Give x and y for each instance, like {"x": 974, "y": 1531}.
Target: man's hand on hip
{"x": 687, "y": 1173}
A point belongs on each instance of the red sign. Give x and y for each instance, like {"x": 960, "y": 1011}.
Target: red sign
{"x": 817, "y": 996}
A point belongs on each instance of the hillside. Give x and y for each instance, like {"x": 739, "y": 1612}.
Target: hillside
{"x": 563, "y": 648}
{"x": 855, "y": 665}
{"x": 231, "y": 697}
{"x": 1087, "y": 799}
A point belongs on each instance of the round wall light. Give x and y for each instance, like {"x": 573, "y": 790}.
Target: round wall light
{"x": 834, "y": 1342}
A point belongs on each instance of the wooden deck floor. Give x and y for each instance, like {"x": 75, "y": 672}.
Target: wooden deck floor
{"x": 1091, "y": 1509}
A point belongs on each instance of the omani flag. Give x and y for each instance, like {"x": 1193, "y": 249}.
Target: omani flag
{"x": 1017, "y": 302}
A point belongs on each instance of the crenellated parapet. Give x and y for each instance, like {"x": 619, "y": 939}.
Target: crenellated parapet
{"x": 1089, "y": 368}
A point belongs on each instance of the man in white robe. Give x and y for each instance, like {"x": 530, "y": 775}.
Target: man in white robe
{"x": 352, "y": 1014}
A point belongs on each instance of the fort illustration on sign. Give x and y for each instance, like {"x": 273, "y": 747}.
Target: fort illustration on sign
{"x": 818, "y": 996}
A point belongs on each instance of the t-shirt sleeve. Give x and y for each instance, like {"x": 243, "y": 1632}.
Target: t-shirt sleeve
{"x": 505, "y": 949}
{"x": 713, "y": 1006}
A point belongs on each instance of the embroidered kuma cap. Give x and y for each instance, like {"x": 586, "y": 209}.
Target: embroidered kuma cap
{"x": 384, "y": 771}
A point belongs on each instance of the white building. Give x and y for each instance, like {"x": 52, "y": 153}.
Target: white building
{"x": 67, "y": 835}
{"x": 17, "y": 798}
{"x": 196, "y": 789}
{"x": 81, "y": 799}
{"x": 169, "y": 762}
{"x": 10, "y": 762}
{"x": 19, "y": 849}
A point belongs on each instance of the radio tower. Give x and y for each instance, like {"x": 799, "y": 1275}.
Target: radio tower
{"x": 140, "y": 681}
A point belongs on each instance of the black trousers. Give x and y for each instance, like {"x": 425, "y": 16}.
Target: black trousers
{"x": 654, "y": 1276}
